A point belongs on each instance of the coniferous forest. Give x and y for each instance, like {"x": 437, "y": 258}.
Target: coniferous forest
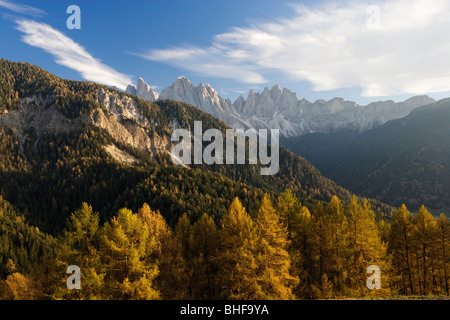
{"x": 283, "y": 251}
{"x": 152, "y": 230}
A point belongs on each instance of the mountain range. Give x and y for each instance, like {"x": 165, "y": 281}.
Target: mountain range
{"x": 402, "y": 161}
{"x": 63, "y": 142}
{"x": 393, "y": 152}
{"x": 278, "y": 108}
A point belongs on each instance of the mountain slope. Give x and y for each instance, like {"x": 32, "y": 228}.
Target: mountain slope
{"x": 403, "y": 161}
{"x": 63, "y": 142}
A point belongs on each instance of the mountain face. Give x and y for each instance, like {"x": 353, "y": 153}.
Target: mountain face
{"x": 64, "y": 142}
{"x": 206, "y": 99}
{"x": 281, "y": 109}
{"x": 403, "y": 161}
{"x": 143, "y": 91}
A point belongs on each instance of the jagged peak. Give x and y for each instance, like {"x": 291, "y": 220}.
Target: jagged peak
{"x": 183, "y": 79}
{"x": 142, "y": 84}
{"x": 131, "y": 89}
{"x": 276, "y": 87}
{"x": 240, "y": 98}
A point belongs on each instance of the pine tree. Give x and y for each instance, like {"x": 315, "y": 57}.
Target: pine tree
{"x": 274, "y": 262}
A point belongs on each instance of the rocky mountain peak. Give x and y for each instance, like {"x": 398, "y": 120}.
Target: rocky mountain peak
{"x": 143, "y": 91}
{"x": 278, "y": 108}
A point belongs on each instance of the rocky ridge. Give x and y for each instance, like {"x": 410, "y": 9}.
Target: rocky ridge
{"x": 278, "y": 108}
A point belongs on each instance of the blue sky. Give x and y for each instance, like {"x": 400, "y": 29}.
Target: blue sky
{"x": 359, "y": 50}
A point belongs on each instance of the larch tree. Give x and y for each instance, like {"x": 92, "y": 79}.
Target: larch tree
{"x": 297, "y": 221}
{"x": 80, "y": 247}
{"x": 20, "y": 287}
{"x": 327, "y": 244}
{"x": 364, "y": 247}
{"x": 205, "y": 248}
{"x": 321, "y": 245}
{"x": 126, "y": 249}
{"x": 288, "y": 207}
{"x": 337, "y": 223}
{"x": 183, "y": 241}
{"x": 302, "y": 254}
{"x": 401, "y": 247}
{"x": 274, "y": 262}
{"x": 166, "y": 254}
{"x": 424, "y": 234}
{"x": 443, "y": 253}
{"x": 238, "y": 264}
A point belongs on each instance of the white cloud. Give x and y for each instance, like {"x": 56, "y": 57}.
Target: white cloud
{"x": 209, "y": 62}
{"x": 21, "y": 8}
{"x": 70, "y": 54}
{"x": 333, "y": 47}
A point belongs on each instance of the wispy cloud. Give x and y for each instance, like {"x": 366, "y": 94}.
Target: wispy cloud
{"x": 209, "y": 62}
{"x": 21, "y": 8}
{"x": 70, "y": 54}
{"x": 333, "y": 47}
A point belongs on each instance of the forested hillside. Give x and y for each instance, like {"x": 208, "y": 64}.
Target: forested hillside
{"x": 283, "y": 251}
{"x": 49, "y": 169}
{"x": 403, "y": 161}
{"x": 86, "y": 179}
